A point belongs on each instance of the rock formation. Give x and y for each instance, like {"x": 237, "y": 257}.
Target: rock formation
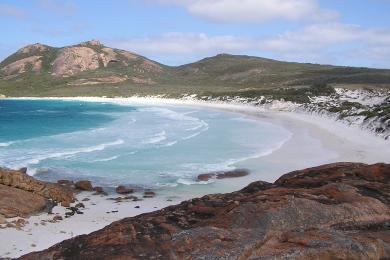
{"x": 223, "y": 175}
{"x": 123, "y": 190}
{"x": 84, "y": 185}
{"x": 20, "y": 66}
{"x": 334, "y": 211}
{"x": 16, "y": 202}
{"x": 73, "y": 60}
{"x": 21, "y": 180}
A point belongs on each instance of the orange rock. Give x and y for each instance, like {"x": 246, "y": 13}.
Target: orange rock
{"x": 336, "y": 211}
{"x": 84, "y": 185}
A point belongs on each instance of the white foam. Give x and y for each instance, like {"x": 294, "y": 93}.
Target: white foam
{"x": 157, "y": 138}
{"x": 191, "y": 136}
{"x": 166, "y": 185}
{"x": 170, "y": 144}
{"x": 106, "y": 159}
{"x": 6, "y": 144}
{"x": 67, "y": 154}
{"x": 200, "y": 125}
{"x": 186, "y": 181}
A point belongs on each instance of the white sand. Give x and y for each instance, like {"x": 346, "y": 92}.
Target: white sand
{"x": 39, "y": 234}
{"x": 314, "y": 141}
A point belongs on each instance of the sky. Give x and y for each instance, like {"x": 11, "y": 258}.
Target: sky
{"x": 175, "y": 32}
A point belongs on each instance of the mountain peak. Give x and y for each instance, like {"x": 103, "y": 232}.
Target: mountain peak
{"x": 92, "y": 42}
{"x": 36, "y": 47}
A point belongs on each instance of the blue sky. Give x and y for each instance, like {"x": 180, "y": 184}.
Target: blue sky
{"x": 342, "y": 32}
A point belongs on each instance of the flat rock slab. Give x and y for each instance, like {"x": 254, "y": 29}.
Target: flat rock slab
{"x": 19, "y": 203}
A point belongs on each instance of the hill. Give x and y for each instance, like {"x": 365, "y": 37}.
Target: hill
{"x": 92, "y": 69}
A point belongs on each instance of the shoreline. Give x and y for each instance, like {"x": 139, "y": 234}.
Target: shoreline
{"x": 240, "y": 105}
{"x": 318, "y": 141}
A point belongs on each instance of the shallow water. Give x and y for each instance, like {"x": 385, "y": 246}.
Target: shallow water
{"x": 145, "y": 145}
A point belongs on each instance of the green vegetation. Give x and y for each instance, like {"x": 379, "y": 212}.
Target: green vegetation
{"x": 293, "y": 94}
{"x": 346, "y": 106}
{"x": 222, "y": 75}
{"x": 382, "y": 111}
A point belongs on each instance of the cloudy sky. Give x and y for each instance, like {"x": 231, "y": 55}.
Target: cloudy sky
{"x": 342, "y": 32}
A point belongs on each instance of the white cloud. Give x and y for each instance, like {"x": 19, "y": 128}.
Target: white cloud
{"x": 314, "y": 37}
{"x": 182, "y": 43}
{"x": 254, "y": 10}
{"x": 327, "y": 42}
{"x": 334, "y": 43}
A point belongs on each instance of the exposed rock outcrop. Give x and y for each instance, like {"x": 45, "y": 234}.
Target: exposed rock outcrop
{"x": 37, "y": 47}
{"x": 20, "y": 66}
{"x": 19, "y": 203}
{"x": 22, "y": 181}
{"x": 334, "y": 211}
{"x": 108, "y": 56}
{"x": 73, "y": 60}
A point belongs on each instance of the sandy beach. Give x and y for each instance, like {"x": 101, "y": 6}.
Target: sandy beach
{"x": 314, "y": 141}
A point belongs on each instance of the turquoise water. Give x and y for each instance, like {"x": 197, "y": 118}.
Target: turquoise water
{"x": 110, "y": 144}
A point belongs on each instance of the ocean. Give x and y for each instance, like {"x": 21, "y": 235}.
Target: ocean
{"x": 145, "y": 145}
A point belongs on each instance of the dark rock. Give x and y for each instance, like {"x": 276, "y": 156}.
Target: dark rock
{"x": 123, "y": 190}
{"x": 73, "y": 209}
{"x": 70, "y": 213}
{"x": 223, "y": 175}
{"x": 149, "y": 194}
{"x": 84, "y": 185}
{"x": 57, "y": 218}
{"x": 23, "y": 170}
{"x": 337, "y": 211}
{"x": 80, "y": 205}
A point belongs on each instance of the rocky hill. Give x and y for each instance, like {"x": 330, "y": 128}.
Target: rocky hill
{"x": 336, "y": 211}
{"x": 90, "y": 68}
{"x": 87, "y": 63}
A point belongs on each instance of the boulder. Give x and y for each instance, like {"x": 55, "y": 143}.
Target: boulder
{"x": 57, "y": 218}
{"x": 337, "y": 211}
{"x": 22, "y": 181}
{"x": 149, "y": 194}
{"x": 20, "y": 203}
{"x": 99, "y": 190}
{"x": 223, "y": 175}
{"x": 84, "y": 185}
{"x": 123, "y": 190}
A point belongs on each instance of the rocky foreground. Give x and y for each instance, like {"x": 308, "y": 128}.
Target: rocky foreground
{"x": 21, "y": 195}
{"x": 333, "y": 211}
